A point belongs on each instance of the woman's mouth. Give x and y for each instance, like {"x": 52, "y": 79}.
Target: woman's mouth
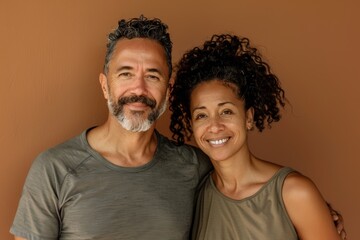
{"x": 218, "y": 141}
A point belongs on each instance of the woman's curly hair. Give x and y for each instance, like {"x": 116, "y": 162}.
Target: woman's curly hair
{"x": 232, "y": 60}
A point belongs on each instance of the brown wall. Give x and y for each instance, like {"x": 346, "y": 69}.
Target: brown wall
{"x": 52, "y": 52}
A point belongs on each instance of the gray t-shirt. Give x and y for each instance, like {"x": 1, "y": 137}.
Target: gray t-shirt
{"x": 72, "y": 192}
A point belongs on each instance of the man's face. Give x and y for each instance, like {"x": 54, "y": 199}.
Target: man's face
{"x": 136, "y": 84}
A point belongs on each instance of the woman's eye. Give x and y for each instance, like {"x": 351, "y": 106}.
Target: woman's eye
{"x": 227, "y": 112}
{"x": 199, "y": 116}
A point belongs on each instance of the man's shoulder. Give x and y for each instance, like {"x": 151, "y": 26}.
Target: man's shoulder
{"x": 66, "y": 154}
{"x": 164, "y": 140}
{"x": 185, "y": 157}
{"x": 185, "y": 152}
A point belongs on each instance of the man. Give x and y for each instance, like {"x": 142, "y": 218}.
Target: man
{"x": 120, "y": 180}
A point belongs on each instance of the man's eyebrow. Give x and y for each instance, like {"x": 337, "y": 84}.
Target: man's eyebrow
{"x": 121, "y": 68}
{"x": 151, "y": 70}
{"x": 155, "y": 70}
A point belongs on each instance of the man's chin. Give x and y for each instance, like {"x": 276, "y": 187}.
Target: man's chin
{"x": 137, "y": 126}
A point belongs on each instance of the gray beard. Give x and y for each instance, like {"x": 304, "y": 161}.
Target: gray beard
{"x": 136, "y": 123}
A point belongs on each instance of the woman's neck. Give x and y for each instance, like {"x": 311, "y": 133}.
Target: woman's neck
{"x": 242, "y": 177}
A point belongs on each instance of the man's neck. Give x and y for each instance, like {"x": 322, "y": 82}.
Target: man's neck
{"x": 122, "y": 147}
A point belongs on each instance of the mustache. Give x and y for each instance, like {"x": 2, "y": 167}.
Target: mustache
{"x": 141, "y": 99}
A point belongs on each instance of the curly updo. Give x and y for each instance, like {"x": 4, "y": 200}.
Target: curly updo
{"x": 232, "y": 60}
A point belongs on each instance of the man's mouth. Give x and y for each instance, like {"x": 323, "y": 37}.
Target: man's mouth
{"x": 138, "y": 99}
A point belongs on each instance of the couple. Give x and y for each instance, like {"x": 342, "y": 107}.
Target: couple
{"x": 124, "y": 180}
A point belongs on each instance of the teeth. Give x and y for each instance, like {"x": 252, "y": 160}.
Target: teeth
{"x": 217, "y": 142}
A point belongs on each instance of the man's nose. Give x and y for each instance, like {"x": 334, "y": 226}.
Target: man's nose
{"x": 139, "y": 86}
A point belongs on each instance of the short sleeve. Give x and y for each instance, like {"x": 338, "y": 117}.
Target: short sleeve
{"x": 37, "y": 216}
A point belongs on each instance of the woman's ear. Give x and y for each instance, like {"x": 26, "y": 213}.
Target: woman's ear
{"x": 250, "y": 119}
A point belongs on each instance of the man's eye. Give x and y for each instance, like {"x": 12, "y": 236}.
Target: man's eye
{"x": 125, "y": 74}
{"x": 152, "y": 77}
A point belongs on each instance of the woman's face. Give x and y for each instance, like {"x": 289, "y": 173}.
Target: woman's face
{"x": 219, "y": 120}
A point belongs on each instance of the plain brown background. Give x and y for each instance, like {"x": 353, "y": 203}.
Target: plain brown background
{"x": 52, "y": 53}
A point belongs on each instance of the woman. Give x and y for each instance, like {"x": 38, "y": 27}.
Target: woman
{"x": 222, "y": 90}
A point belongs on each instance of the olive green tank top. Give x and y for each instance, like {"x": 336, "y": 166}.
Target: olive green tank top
{"x": 260, "y": 216}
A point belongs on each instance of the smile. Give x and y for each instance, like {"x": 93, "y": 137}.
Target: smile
{"x": 218, "y": 142}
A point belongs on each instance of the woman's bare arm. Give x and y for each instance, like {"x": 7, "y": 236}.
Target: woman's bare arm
{"x": 307, "y": 209}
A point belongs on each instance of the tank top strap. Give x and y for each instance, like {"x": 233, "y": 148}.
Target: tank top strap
{"x": 282, "y": 174}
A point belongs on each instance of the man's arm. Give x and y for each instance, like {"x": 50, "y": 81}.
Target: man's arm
{"x": 338, "y": 221}
{"x": 37, "y": 212}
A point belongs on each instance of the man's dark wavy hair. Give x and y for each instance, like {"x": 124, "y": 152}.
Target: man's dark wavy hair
{"x": 140, "y": 28}
{"x": 231, "y": 60}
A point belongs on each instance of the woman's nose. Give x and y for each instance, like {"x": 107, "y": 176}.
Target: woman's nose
{"x": 216, "y": 125}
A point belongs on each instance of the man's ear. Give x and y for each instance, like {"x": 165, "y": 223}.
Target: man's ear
{"x": 170, "y": 85}
{"x": 168, "y": 92}
{"x": 104, "y": 85}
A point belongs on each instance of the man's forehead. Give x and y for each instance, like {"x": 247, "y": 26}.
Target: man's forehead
{"x": 129, "y": 53}
{"x": 139, "y": 43}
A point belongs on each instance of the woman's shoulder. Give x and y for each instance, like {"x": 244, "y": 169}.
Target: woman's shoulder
{"x": 302, "y": 198}
{"x": 307, "y": 208}
{"x": 299, "y": 187}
